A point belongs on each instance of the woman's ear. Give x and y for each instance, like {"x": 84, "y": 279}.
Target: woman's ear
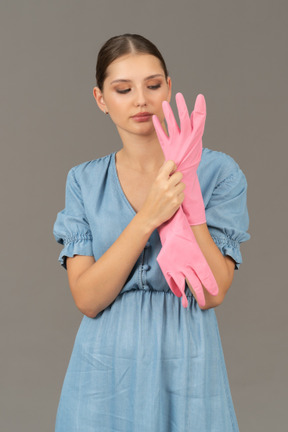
{"x": 169, "y": 82}
{"x": 98, "y": 96}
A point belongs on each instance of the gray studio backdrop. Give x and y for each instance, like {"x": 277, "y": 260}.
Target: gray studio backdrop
{"x": 235, "y": 53}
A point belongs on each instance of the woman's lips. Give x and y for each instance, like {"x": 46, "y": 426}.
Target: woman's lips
{"x": 142, "y": 117}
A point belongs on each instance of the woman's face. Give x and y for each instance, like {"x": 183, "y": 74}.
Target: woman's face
{"x": 135, "y": 84}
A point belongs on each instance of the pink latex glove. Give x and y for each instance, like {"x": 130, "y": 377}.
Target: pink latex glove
{"x": 184, "y": 147}
{"x": 181, "y": 257}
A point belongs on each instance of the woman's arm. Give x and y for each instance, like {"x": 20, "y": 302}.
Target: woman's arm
{"x": 222, "y": 266}
{"x": 98, "y": 286}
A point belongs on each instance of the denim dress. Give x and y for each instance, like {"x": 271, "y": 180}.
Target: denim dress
{"x": 146, "y": 363}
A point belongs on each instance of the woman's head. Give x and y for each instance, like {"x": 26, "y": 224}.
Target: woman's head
{"x": 121, "y": 45}
{"x": 132, "y": 81}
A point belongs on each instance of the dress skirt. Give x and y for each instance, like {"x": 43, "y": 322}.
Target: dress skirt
{"x": 147, "y": 364}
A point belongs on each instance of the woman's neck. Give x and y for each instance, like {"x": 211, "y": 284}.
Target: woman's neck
{"x": 143, "y": 155}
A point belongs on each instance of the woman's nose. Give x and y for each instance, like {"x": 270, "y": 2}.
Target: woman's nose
{"x": 140, "y": 99}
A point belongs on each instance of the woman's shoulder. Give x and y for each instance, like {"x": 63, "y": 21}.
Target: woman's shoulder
{"x": 90, "y": 164}
{"x": 218, "y": 165}
{"x": 218, "y": 158}
{"x": 88, "y": 168}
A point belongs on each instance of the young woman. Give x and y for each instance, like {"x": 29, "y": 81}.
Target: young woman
{"x": 141, "y": 361}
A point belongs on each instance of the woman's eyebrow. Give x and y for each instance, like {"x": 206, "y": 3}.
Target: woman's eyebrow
{"x": 145, "y": 79}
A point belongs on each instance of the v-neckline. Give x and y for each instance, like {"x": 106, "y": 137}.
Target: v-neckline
{"x": 119, "y": 185}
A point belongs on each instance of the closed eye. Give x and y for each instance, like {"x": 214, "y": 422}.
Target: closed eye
{"x": 151, "y": 87}
{"x": 123, "y": 91}
{"x": 154, "y": 87}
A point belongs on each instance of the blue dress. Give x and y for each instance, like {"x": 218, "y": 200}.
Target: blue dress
{"x": 146, "y": 363}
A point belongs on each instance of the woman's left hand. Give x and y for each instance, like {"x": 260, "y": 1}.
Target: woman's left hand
{"x": 184, "y": 147}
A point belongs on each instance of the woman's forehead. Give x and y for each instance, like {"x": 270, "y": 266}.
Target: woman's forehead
{"x": 134, "y": 66}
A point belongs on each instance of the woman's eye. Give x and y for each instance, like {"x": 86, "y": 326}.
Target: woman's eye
{"x": 151, "y": 87}
{"x": 154, "y": 87}
{"x": 123, "y": 91}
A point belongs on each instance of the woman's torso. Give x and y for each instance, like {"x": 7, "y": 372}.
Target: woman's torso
{"x": 112, "y": 195}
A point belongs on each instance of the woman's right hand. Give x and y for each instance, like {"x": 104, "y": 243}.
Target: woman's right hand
{"x": 165, "y": 195}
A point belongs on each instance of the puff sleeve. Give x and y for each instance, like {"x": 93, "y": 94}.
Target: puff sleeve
{"x": 71, "y": 227}
{"x": 227, "y": 214}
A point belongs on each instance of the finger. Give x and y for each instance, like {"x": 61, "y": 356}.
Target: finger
{"x": 185, "y": 124}
{"x": 176, "y": 283}
{"x": 173, "y": 128}
{"x": 198, "y": 115}
{"x": 162, "y": 137}
{"x": 211, "y": 285}
{"x": 207, "y": 278}
{"x": 184, "y": 301}
{"x": 196, "y": 287}
{"x": 200, "y": 104}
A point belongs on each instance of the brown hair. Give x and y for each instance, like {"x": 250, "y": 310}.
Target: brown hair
{"x": 118, "y": 46}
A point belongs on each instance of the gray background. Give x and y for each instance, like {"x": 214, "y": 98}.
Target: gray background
{"x": 235, "y": 53}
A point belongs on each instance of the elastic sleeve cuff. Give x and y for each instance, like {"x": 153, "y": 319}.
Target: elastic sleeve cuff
{"x": 229, "y": 247}
{"x": 76, "y": 245}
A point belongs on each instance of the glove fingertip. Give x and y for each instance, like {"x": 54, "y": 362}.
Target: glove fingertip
{"x": 165, "y": 104}
{"x": 216, "y": 290}
{"x": 179, "y": 97}
{"x": 184, "y": 301}
{"x": 211, "y": 285}
{"x": 201, "y": 303}
{"x": 155, "y": 119}
{"x": 200, "y": 104}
